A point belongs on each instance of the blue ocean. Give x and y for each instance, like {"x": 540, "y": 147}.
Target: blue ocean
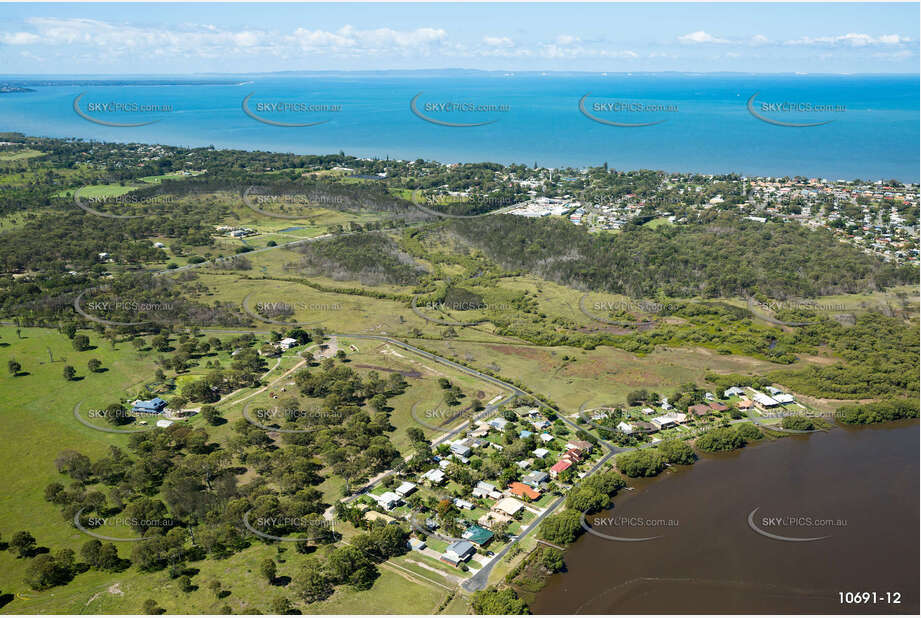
{"x": 850, "y": 126}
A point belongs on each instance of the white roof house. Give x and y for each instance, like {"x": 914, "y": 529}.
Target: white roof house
{"x": 546, "y": 437}
{"x": 486, "y": 490}
{"x": 389, "y": 500}
{"x": 784, "y": 398}
{"x": 434, "y": 476}
{"x": 509, "y": 506}
{"x": 287, "y": 342}
{"x": 661, "y": 422}
{"x": 405, "y": 488}
{"x": 463, "y": 504}
{"x": 498, "y": 424}
{"x": 460, "y": 448}
{"x": 626, "y": 428}
{"x": 765, "y": 401}
{"x": 734, "y": 390}
{"x": 540, "y": 452}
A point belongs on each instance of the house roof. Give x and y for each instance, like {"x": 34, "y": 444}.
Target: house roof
{"x": 561, "y": 465}
{"x": 520, "y": 489}
{"x": 508, "y": 505}
{"x": 700, "y": 410}
{"x": 478, "y": 535}
{"x": 460, "y": 548}
{"x": 715, "y": 405}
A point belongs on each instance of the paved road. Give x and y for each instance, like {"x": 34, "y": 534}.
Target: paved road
{"x": 481, "y": 578}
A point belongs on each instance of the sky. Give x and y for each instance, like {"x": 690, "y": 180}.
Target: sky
{"x": 168, "y": 39}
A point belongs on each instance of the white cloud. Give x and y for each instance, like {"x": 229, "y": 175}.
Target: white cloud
{"x": 19, "y": 38}
{"x": 851, "y": 39}
{"x": 209, "y": 41}
{"x": 759, "y": 39}
{"x": 701, "y": 37}
{"x": 567, "y": 39}
{"x": 498, "y": 41}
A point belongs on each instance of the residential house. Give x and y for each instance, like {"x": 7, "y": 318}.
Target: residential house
{"x": 540, "y": 452}
{"x": 486, "y": 490}
{"x": 574, "y": 455}
{"x": 508, "y": 506}
{"x": 152, "y": 406}
{"x": 463, "y": 504}
{"x": 461, "y": 447}
{"x": 763, "y": 402}
{"x": 733, "y": 392}
{"x": 287, "y": 342}
{"x": 745, "y": 404}
{"x": 582, "y": 445}
{"x": 416, "y": 544}
{"x": 625, "y": 428}
{"x": 560, "y": 466}
{"x": 478, "y": 535}
{"x": 546, "y": 437}
{"x": 405, "y": 489}
{"x": 389, "y": 500}
{"x": 663, "y": 422}
{"x": 700, "y": 410}
{"x": 434, "y": 476}
{"x": 523, "y": 491}
{"x": 457, "y": 552}
{"x": 535, "y": 478}
{"x": 499, "y": 424}
{"x": 717, "y": 406}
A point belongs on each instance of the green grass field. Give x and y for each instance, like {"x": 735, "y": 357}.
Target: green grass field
{"x": 21, "y": 155}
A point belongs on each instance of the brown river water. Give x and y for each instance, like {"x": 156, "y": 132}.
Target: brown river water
{"x": 856, "y": 487}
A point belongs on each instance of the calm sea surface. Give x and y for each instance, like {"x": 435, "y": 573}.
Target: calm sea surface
{"x": 873, "y": 133}
{"x": 862, "y": 483}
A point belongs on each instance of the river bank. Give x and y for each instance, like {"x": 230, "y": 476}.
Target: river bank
{"x": 855, "y": 486}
